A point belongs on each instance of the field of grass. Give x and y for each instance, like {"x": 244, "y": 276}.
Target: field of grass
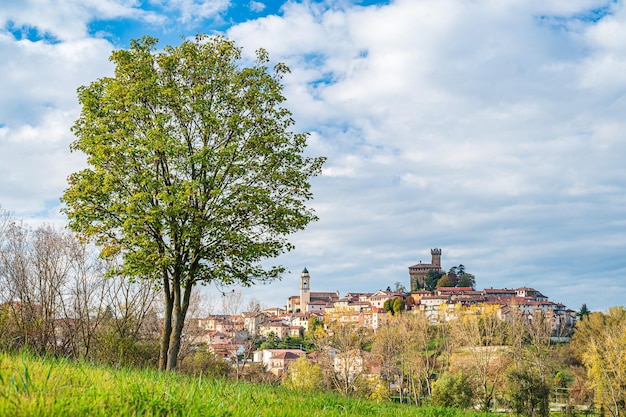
{"x": 32, "y": 386}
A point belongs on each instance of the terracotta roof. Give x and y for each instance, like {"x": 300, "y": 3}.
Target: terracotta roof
{"x": 434, "y": 297}
{"x": 285, "y": 355}
{"x": 457, "y": 289}
{"x": 498, "y": 291}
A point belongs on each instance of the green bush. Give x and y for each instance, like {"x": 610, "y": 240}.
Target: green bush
{"x": 452, "y": 391}
{"x": 528, "y": 394}
{"x": 203, "y": 362}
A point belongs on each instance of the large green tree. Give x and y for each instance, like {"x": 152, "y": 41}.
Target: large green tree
{"x": 194, "y": 174}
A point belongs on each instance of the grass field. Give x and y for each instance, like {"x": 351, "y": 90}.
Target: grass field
{"x": 32, "y": 386}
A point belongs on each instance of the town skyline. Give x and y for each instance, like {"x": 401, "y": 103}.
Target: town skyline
{"x": 248, "y": 294}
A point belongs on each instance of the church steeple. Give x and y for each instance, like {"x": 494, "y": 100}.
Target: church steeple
{"x": 305, "y": 289}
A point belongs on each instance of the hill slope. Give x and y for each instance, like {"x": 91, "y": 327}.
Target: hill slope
{"x": 31, "y": 386}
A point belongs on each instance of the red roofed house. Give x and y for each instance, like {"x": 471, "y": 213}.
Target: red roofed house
{"x": 276, "y": 361}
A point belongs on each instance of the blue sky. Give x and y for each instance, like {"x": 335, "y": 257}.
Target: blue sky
{"x": 494, "y": 130}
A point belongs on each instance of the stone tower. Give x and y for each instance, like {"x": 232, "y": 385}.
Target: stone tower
{"x": 417, "y": 272}
{"x": 436, "y": 257}
{"x": 305, "y": 289}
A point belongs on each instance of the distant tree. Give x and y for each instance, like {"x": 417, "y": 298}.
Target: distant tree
{"x": 398, "y": 305}
{"x": 254, "y": 305}
{"x": 432, "y": 277}
{"x": 452, "y": 391}
{"x": 445, "y": 281}
{"x": 421, "y": 354}
{"x": 600, "y": 341}
{"x": 583, "y": 313}
{"x": 528, "y": 394}
{"x": 528, "y": 381}
{"x": 480, "y": 331}
{"x": 467, "y": 280}
{"x": 388, "y": 305}
{"x": 194, "y": 175}
{"x": 231, "y": 302}
{"x": 203, "y": 362}
{"x": 303, "y": 375}
{"x": 399, "y": 287}
{"x": 386, "y": 346}
{"x": 394, "y": 305}
{"x": 452, "y": 273}
{"x": 340, "y": 349}
{"x": 313, "y": 325}
{"x": 270, "y": 342}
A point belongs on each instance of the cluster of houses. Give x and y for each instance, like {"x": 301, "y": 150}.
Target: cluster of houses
{"x": 227, "y": 335}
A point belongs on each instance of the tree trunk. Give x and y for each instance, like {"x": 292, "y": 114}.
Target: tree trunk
{"x": 167, "y": 324}
{"x": 174, "y": 342}
{"x": 177, "y": 322}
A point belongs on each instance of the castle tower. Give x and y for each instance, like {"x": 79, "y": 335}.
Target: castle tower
{"x": 305, "y": 289}
{"x": 436, "y": 257}
{"x": 418, "y": 272}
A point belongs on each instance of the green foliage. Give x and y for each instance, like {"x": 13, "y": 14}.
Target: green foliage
{"x": 303, "y": 375}
{"x": 432, "y": 277}
{"x": 373, "y": 388}
{"x": 124, "y": 350}
{"x": 528, "y": 394}
{"x": 394, "y": 305}
{"x": 460, "y": 277}
{"x": 445, "y": 281}
{"x": 583, "y": 313}
{"x": 452, "y": 391}
{"x": 188, "y": 150}
{"x": 601, "y": 343}
{"x": 194, "y": 174}
{"x": 203, "y": 362}
{"x": 312, "y": 326}
{"x": 398, "y": 305}
{"x": 467, "y": 280}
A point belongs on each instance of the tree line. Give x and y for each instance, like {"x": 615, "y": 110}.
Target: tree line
{"x": 475, "y": 360}
{"x": 55, "y": 299}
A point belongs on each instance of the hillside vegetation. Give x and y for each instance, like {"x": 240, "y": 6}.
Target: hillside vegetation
{"x": 33, "y": 386}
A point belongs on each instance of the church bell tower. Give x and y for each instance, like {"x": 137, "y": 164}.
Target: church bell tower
{"x": 305, "y": 290}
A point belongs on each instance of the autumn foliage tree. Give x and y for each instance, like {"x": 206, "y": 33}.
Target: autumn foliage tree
{"x": 194, "y": 175}
{"x": 302, "y": 375}
{"x": 410, "y": 350}
{"x": 480, "y": 333}
{"x": 601, "y": 342}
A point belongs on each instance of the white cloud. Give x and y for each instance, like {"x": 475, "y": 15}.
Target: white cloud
{"x": 257, "y": 6}
{"x": 68, "y": 19}
{"x": 194, "y": 11}
{"x": 36, "y": 164}
{"x": 492, "y": 129}
{"x": 497, "y": 126}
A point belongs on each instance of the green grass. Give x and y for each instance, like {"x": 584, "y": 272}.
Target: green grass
{"x": 33, "y": 386}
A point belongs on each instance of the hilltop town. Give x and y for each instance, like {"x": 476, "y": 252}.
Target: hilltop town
{"x": 229, "y": 335}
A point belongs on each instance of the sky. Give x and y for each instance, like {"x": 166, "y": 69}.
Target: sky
{"x": 492, "y": 129}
